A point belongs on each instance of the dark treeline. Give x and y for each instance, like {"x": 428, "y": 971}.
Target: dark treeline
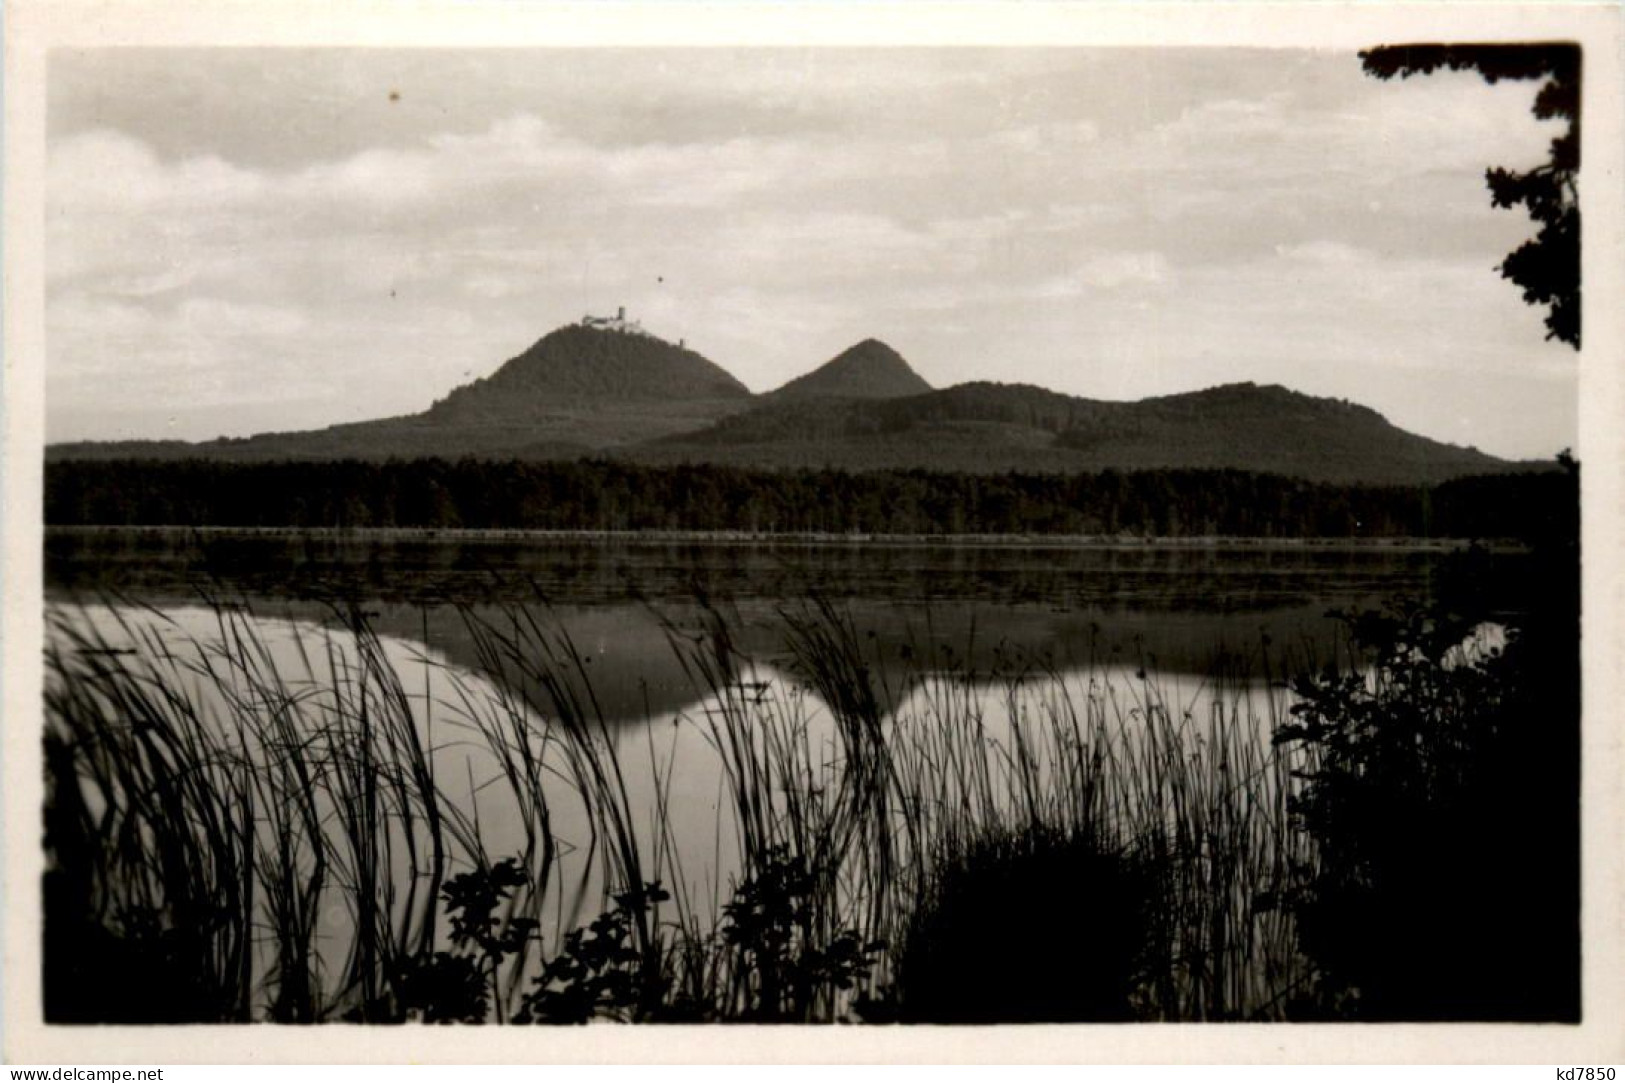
{"x": 607, "y": 495}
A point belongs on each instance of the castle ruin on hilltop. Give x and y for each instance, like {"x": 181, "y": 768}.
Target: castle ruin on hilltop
{"x": 617, "y": 322}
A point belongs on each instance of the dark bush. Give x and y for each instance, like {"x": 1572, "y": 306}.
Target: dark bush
{"x": 1444, "y": 806}
{"x": 1037, "y": 925}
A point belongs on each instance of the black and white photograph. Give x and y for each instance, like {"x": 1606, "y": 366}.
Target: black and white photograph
{"x": 916, "y": 531}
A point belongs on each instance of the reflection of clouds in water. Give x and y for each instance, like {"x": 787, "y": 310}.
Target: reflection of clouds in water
{"x": 678, "y": 762}
{"x": 672, "y": 774}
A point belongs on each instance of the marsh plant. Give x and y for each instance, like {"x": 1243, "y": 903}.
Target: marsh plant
{"x": 231, "y": 838}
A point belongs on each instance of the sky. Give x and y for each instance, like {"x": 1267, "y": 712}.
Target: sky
{"x": 248, "y": 240}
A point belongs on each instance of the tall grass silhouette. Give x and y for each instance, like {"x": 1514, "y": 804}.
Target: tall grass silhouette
{"x": 233, "y": 835}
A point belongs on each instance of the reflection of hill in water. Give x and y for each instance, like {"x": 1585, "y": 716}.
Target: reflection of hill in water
{"x": 916, "y": 608}
{"x": 626, "y": 663}
{"x": 636, "y": 670}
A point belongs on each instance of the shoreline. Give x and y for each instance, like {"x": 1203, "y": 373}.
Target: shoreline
{"x": 740, "y": 538}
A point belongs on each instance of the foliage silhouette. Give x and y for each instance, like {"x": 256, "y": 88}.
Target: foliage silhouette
{"x": 1443, "y": 799}
{"x": 461, "y": 986}
{"x": 1547, "y": 267}
{"x": 1142, "y": 835}
{"x": 600, "y": 972}
{"x": 1033, "y": 925}
{"x": 772, "y": 923}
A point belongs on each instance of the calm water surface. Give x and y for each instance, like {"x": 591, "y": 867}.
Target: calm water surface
{"x": 1167, "y": 609}
{"x": 1112, "y": 628}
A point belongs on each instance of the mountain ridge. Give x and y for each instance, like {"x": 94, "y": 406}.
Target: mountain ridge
{"x": 604, "y": 387}
{"x": 987, "y": 427}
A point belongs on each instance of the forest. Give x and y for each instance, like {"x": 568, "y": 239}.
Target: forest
{"x": 621, "y": 496}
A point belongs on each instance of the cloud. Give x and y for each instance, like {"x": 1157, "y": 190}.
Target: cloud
{"x": 1183, "y": 215}
{"x": 209, "y": 316}
{"x": 105, "y": 336}
{"x": 1325, "y": 254}
{"x": 100, "y": 170}
{"x": 193, "y": 353}
{"x": 1110, "y": 271}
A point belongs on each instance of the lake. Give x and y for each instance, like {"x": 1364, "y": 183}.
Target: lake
{"x": 682, "y": 705}
{"x": 1167, "y": 607}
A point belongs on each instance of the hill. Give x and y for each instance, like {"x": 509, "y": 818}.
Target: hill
{"x": 577, "y": 390}
{"x": 869, "y": 370}
{"x": 604, "y": 387}
{"x": 587, "y": 366}
{"x": 994, "y": 428}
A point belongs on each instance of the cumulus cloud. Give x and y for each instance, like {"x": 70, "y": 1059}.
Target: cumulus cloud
{"x": 1110, "y": 271}
{"x": 1325, "y": 254}
{"x": 100, "y": 170}
{"x": 1113, "y": 222}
